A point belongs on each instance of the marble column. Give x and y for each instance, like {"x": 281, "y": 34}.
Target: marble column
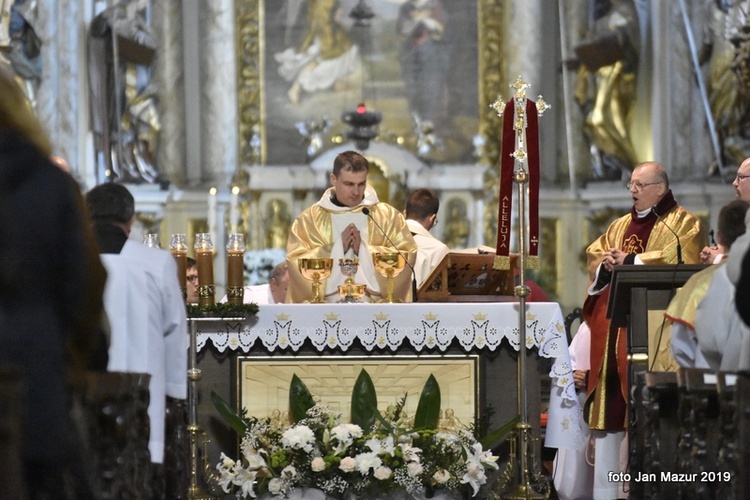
{"x": 573, "y": 19}
{"x": 218, "y": 91}
{"x": 523, "y": 35}
{"x": 169, "y": 75}
{"x": 61, "y": 95}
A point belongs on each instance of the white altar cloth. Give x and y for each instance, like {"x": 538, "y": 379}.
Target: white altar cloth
{"x": 425, "y": 326}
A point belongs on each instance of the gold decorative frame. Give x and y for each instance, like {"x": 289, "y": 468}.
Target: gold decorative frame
{"x": 250, "y": 33}
{"x": 263, "y": 382}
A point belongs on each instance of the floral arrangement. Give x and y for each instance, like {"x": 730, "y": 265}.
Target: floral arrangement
{"x": 374, "y": 456}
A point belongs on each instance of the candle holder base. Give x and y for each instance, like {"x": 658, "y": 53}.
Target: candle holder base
{"x": 235, "y": 294}
{"x": 198, "y": 457}
{"x": 521, "y": 478}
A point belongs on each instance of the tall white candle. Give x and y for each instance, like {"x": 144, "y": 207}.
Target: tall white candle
{"x": 212, "y": 211}
{"x": 234, "y": 210}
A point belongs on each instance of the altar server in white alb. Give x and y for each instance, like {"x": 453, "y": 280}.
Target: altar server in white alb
{"x": 144, "y": 304}
{"x": 421, "y": 216}
{"x": 273, "y": 292}
{"x": 349, "y": 221}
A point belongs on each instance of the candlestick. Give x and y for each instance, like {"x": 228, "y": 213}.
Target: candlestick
{"x": 178, "y": 248}
{"x": 204, "y": 256}
{"x": 212, "y": 218}
{"x": 234, "y": 212}
{"x": 235, "y": 268}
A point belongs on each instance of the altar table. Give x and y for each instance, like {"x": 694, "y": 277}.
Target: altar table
{"x": 423, "y": 326}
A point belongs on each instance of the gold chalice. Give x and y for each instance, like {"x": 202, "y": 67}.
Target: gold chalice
{"x": 316, "y": 270}
{"x": 389, "y": 265}
{"x": 350, "y": 291}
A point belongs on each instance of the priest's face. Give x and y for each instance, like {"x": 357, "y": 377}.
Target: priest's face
{"x": 646, "y": 188}
{"x": 349, "y": 187}
{"x": 742, "y": 181}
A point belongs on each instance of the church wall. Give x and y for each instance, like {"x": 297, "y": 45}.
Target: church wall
{"x": 201, "y": 145}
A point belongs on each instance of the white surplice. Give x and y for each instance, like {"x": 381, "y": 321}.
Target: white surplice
{"x": 147, "y": 316}
{"x": 430, "y": 251}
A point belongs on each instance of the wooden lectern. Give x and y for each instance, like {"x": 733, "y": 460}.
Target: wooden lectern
{"x": 469, "y": 277}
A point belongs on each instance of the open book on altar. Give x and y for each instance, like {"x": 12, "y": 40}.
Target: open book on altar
{"x": 469, "y": 276}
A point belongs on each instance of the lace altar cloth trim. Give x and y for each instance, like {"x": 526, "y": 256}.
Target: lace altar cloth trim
{"x": 424, "y": 326}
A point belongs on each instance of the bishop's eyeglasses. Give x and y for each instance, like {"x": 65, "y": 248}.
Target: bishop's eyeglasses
{"x": 640, "y": 185}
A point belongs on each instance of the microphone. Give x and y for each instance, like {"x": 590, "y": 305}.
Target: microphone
{"x": 679, "y": 247}
{"x": 414, "y": 296}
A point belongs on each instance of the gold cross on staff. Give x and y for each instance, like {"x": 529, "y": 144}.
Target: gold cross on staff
{"x": 520, "y": 87}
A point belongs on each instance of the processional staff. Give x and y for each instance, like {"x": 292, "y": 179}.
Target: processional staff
{"x": 519, "y": 164}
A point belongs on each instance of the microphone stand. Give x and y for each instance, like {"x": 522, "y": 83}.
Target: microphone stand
{"x": 679, "y": 246}
{"x": 414, "y": 297}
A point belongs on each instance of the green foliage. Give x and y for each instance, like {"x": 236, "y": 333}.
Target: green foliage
{"x": 428, "y": 408}
{"x": 300, "y": 399}
{"x": 364, "y": 401}
{"x": 236, "y": 422}
{"x": 222, "y": 310}
{"x": 498, "y": 435}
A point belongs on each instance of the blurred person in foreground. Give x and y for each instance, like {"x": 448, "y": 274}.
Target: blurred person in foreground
{"x": 643, "y": 236}
{"x": 51, "y": 284}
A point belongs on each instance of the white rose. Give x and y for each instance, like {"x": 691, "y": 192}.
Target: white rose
{"x": 289, "y": 471}
{"x": 274, "y": 486}
{"x": 442, "y": 476}
{"x": 382, "y": 473}
{"x": 318, "y": 464}
{"x": 348, "y": 464}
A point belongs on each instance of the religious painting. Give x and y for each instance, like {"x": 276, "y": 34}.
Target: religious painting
{"x": 263, "y": 383}
{"x": 302, "y": 64}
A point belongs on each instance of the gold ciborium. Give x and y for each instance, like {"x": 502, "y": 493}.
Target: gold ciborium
{"x": 389, "y": 265}
{"x": 350, "y": 291}
{"x": 315, "y": 270}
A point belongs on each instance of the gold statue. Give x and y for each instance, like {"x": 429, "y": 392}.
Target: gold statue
{"x": 457, "y": 228}
{"x": 606, "y": 87}
{"x": 277, "y": 222}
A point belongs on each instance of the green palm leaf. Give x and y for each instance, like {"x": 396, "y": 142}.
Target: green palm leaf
{"x": 234, "y": 420}
{"x": 300, "y": 399}
{"x": 498, "y": 435}
{"x": 428, "y": 408}
{"x": 364, "y": 402}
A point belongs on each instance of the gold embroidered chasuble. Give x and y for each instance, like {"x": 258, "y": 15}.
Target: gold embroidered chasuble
{"x": 607, "y": 399}
{"x": 682, "y": 307}
{"x": 316, "y": 233}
